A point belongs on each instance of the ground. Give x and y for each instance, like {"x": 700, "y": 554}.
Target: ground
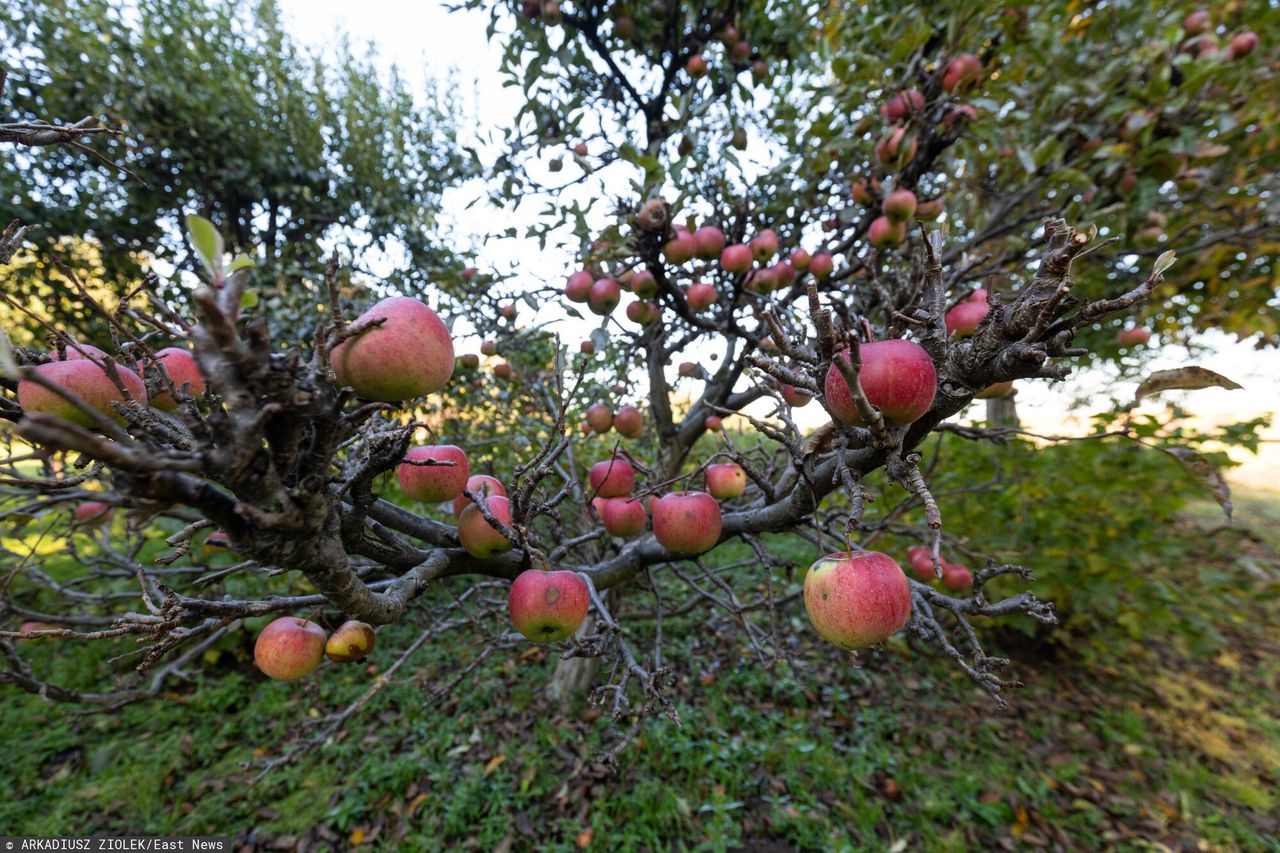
{"x": 1153, "y": 745}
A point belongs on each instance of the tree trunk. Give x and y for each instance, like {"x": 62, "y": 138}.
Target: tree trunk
{"x": 1002, "y": 411}
{"x": 573, "y": 677}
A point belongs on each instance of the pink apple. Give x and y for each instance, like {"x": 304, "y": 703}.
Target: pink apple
{"x": 1242, "y": 44}
{"x": 700, "y": 296}
{"x": 795, "y": 397}
{"x": 604, "y": 297}
{"x": 434, "y": 484}
{"x": 643, "y": 284}
{"x": 996, "y": 391}
{"x": 644, "y": 313}
{"x": 726, "y": 481}
{"x": 902, "y": 105}
{"x": 687, "y": 522}
{"x": 628, "y": 422}
{"x": 764, "y": 245}
{"x": 547, "y": 607}
{"x": 956, "y": 577}
{"x": 408, "y": 356}
{"x": 709, "y": 241}
{"x": 578, "y": 287}
{"x": 479, "y": 538}
{"x": 857, "y": 600}
{"x": 180, "y": 364}
{"x": 961, "y": 72}
{"x": 624, "y": 517}
{"x": 736, "y": 258}
{"x": 962, "y": 320}
{"x": 920, "y": 558}
{"x": 600, "y": 418}
{"x": 93, "y": 512}
{"x": 1133, "y": 336}
{"x": 612, "y": 478}
{"x": 822, "y": 265}
{"x": 899, "y": 205}
{"x": 482, "y": 486}
{"x": 289, "y": 648}
{"x": 681, "y": 248}
{"x": 712, "y": 423}
{"x": 697, "y": 67}
{"x": 897, "y": 376}
{"x": 85, "y": 379}
{"x": 884, "y": 233}
{"x": 800, "y": 259}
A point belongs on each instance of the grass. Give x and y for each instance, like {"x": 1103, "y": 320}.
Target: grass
{"x": 1153, "y": 745}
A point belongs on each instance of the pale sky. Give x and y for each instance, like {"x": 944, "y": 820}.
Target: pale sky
{"x": 429, "y": 44}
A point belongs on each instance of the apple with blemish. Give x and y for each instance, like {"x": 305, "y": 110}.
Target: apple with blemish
{"x": 548, "y": 606}
{"x": 687, "y": 522}
{"x": 352, "y": 641}
{"x": 726, "y": 481}
{"x": 289, "y": 648}
{"x": 857, "y": 600}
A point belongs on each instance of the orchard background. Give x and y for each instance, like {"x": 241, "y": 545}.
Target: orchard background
{"x": 647, "y": 234}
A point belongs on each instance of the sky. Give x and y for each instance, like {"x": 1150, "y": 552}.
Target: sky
{"x": 430, "y": 44}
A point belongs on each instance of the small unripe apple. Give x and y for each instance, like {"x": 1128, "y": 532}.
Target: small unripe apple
{"x": 726, "y": 481}
{"x": 479, "y": 538}
{"x": 681, "y": 248}
{"x": 587, "y": 347}
{"x": 624, "y": 517}
{"x": 503, "y": 370}
{"x": 897, "y": 149}
{"x": 578, "y": 287}
{"x": 899, "y": 205}
{"x": 482, "y": 486}
{"x": 884, "y": 233}
{"x": 927, "y": 211}
{"x": 407, "y": 356}
{"x": 857, "y": 600}
{"x": 547, "y": 607}
{"x": 1242, "y": 44}
{"x": 489, "y": 348}
{"x": 600, "y": 418}
{"x": 995, "y": 392}
{"x": 687, "y": 522}
{"x": 628, "y": 422}
{"x": 644, "y": 313}
{"x": 612, "y": 478}
{"x": 897, "y": 376}
{"x": 289, "y": 648}
{"x": 1133, "y": 336}
{"x": 604, "y": 297}
{"x": 713, "y": 422}
{"x": 741, "y": 51}
{"x": 434, "y": 484}
{"x": 764, "y": 245}
{"x": 920, "y": 559}
{"x": 180, "y": 364}
{"x": 961, "y": 72}
{"x": 1196, "y": 23}
{"x": 760, "y": 69}
{"x": 709, "y": 241}
{"x": 469, "y": 361}
{"x": 956, "y": 577}
{"x": 643, "y": 284}
{"x": 352, "y": 641}
{"x": 468, "y": 273}
{"x": 87, "y": 380}
{"x": 697, "y": 67}
{"x": 822, "y": 265}
{"x": 795, "y": 397}
{"x": 93, "y": 512}
{"x": 800, "y": 259}
{"x": 962, "y": 320}
{"x": 700, "y": 296}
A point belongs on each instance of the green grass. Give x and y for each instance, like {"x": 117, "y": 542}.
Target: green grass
{"x": 1157, "y": 745}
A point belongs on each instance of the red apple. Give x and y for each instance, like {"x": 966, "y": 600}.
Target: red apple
{"x": 548, "y": 606}
{"x": 489, "y": 348}
{"x": 800, "y": 259}
{"x": 688, "y": 369}
{"x": 578, "y": 286}
{"x": 687, "y": 522}
{"x": 587, "y": 347}
{"x": 700, "y": 296}
{"x": 469, "y": 361}
{"x": 899, "y": 205}
{"x": 1133, "y": 336}
{"x": 503, "y": 370}
{"x": 697, "y": 67}
{"x": 822, "y": 265}
{"x": 709, "y": 241}
{"x": 600, "y": 418}
{"x": 479, "y": 538}
{"x": 861, "y": 193}
{"x": 433, "y": 484}
{"x": 961, "y": 72}
{"x": 927, "y": 211}
{"x": 795, "y": 397}
{"x": 1242, "y": 44}
{"x": 180, "y": 364}
{"x": 764, "y": 245}
{"x": 736, "y": 258}
{"x": 352, "y": 641}
{"x": 857, "y": 600}
{"x": 409, "y": 355}
{"x": 93, "y": 512}
{"x": 73, "y": 350}
{"x": 726, "y": 481}
{"x": 897, "y": 376}
{"x": 289, "y": 648}
{"x": 612, "y": 478}
{"x": 681, "y": 248}
{"x": 643, "y": 284}
{"x": 920, "y": 558}
{"x": 1196, "y": 23}
{"x": 884, "y": 233}
{"x": 508, "y": 311}
{"x": 962, "y": 320}
{"x": 644, "y": 313}
{"x": 956, "y": 577}
{"x": 480, "y": 485}
{"x": 996, "y": 391}
{"x": 897, "y": 149}
{"x": 87, "y": 380}
{"x": 902, "y": 105}
{"x": 604, "y": 297}
{"x": 741, "y": 51}
{"x": 468, "y": 273}
{"x": 628, "y": 422}
{"x": 712, "y": 423}
{"x": 624, "y": 517}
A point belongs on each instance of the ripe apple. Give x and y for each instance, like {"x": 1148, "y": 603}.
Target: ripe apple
{"x": 956, "y": 577}
{"x": 897, "y": 376}
{"x": 741, "y": 51}
{"x": 996, "y": 391}
{"x": 764, "y": 245}
{"x": 687, "y": 522}
{"x": 709, "y": 241}
{"x": 1196, "y": 23}
{"x": 352, "y": 641}
{"x": 482, "y": 486}
{"x": 468, "y": 273}
{"x": 822, "y": 265}
{"x": 736, "y": 258}
{"x": 409, "y": 355}
{"x": 713, "y": 422}
{"x": 884, "y": 233}
{"x": 857, "y": 600}
{"x": 927, "y": 211}
{"x": 612, "y": 478}
{"x": 726, "y": 481}
{"x": 85, "y": 379}
{"x": 503, "y": 370}
{"x": 587, "y": 347}
{"x": 897, "y": 149}
{"x": 181, "y": 367}
{"x": 784, "y": 275}
{"x": 962, "y": 113}
{"x": 800, "y": 259}
{"x": 93, "y": 512}
{"x": 680, "y": 248}
{"x": 697, "y": 67}
{"x": 643, "y": 284}
{"x": 600, "y": 418}
{"x": 900, "y": 205}
{"x": 489, "y": 348}
{"x": 688, "y": 369}
{"x": 644, "y": 313}
{"x": 469, "y": 361}
{"x": 74, "y": 350}
{"x": 861, "y": 193}
{"x": 578, "y": 286}
{"x": 1133, "y": 336}
{"x": 700, "y": 296}
{"x": 920, "y": 559}
{"x": 902, "y": 105}
{"x": 624, "y": 517}
{"x": 289, "y": 648}
{"x": 760, "y": 69}
{"x": 961, "y": 73}
{"x": 32, "y": 627}
{"x": 795, "y": 397}
{"x": 479, "y": 538}
{"x": 508, "y": 311}
{"x": 1242, "y": 44}
{"x": 962, "y": 320}
{"x": 548, "y": 606}
{"x": 433, "y": 484}
{"x": 628, "y": 422}
{"x": 604, "y": 297}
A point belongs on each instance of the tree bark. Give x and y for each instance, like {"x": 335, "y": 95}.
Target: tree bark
{"x": 1002, "y": 411}
{"x": 573, "y": 677}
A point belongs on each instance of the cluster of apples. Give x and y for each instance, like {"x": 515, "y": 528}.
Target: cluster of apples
{"x": 686, "y": 522}
{"x": 955, "y": 577}
{"x": 291, "y": 647}
{"x": 1200, "y": 40}
{"x": 627, "y": 421}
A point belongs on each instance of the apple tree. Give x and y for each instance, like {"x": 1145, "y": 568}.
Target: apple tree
{"x": 881, "y": 212}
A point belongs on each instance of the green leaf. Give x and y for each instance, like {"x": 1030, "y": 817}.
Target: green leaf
{"x": 8, "y": 366}
{"x": 207, "y": 241}
{"x": 1163, "y": 263}
{"x": 248, "y": 299}
{"x": 240, "y": 262}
